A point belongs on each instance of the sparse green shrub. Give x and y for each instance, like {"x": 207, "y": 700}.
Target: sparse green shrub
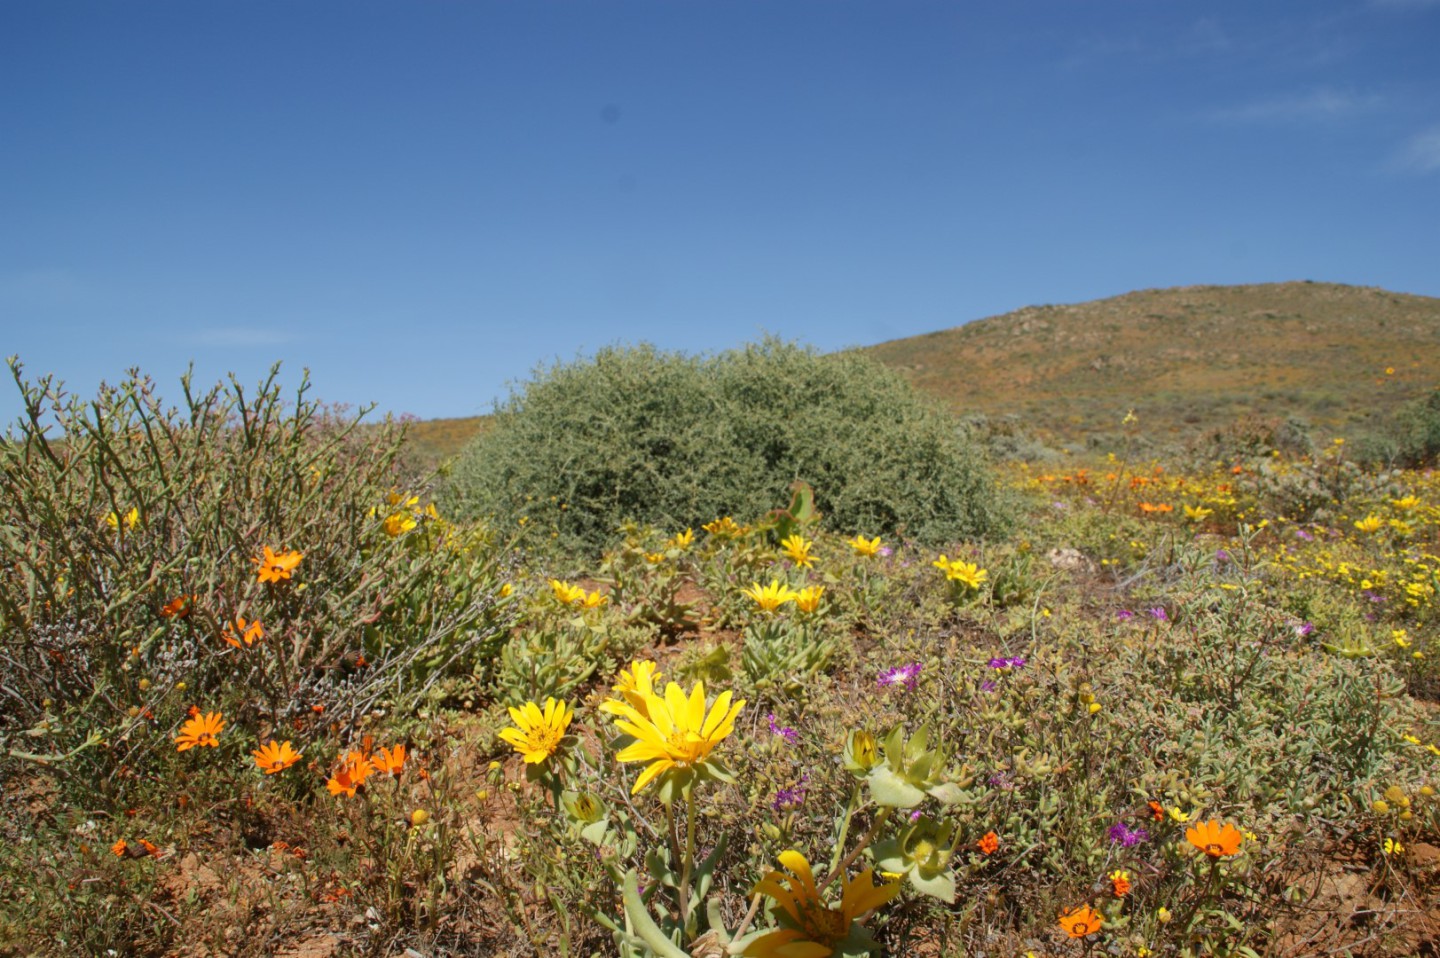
{"x": 675, "y": 441}
{"x": 1248, "y": 438}
{"x": 134, "y": 541}
{"x": 1415, "y": 431}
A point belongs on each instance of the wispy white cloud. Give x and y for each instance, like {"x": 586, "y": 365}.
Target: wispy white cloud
{"x": 1420, "y": 154}
{"x": 239, "y": 336}
{"x": 1316, "y": 106}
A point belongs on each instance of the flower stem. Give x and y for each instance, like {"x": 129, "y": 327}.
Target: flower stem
{"x": 845, "y": 828}
{"x": 688, "y": 862}
{"x": 863, "y": 844}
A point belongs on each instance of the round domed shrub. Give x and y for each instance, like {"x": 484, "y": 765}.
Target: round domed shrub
{"x": 675, "y": 441}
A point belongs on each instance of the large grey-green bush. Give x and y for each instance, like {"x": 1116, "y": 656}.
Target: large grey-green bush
{"x": 676, "y": 440}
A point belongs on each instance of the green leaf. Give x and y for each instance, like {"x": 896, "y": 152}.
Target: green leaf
{"x": 887, "y": 788}
{"x": 947, "y": 793}
{"x": 940, "y": 885}
{"x": 644, "y": 925}
{"x": 595, "y": 832}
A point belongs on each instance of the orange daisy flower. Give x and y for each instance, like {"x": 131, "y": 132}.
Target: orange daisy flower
{"x": 276, "y": 757}
{"x": 200, "y": 730}
{"x": 1157, "y": 811}
{"x": 352, "y": 774}
{"x": 249, "y": 632}
{"x": 276, "y": 568}
{"x": 1082, "y": 921}
{"x": 989, "y": 844}
{"x": 180, "y": 606}
{"x": 389, "y": 760}
{"x": 1215, "y": 839}
{"x": 118, "y": 849}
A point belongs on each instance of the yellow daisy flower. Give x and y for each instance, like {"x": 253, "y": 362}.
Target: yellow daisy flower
{"x": 537, "y": 734}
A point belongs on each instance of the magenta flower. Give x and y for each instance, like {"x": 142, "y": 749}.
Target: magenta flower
{"x": 1127, "y": 837}
{"x": 1124, "y": 615}
{"x": 906, "y": 675}
{"x": 1159, "y": 613}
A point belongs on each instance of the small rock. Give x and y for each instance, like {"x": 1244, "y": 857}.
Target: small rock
{"x": 1069, "y": 559}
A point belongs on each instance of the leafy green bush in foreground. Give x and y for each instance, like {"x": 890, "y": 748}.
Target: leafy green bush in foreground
{"x": 237, "y": 555}
{"x": 674, "y": 440}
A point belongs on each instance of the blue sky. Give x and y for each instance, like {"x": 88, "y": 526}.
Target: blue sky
{"x": 421, "y": 201}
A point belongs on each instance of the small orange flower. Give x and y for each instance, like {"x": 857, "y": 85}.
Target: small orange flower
{"x": 1082, "y": 921}
{"x": 1157, "y": 811}
{"x": 118, "y": 849}
{"x": 250, "y": 632}
{"x": 180, "y": 606}
{"x": 1214, "y": 838}
{"x": 389, "y": 760}
{"x": 989, "y": 844}
{"x": 1156, "y": 507}
{"x": 352, "y": 774}
{"x": 276, "y": 757}
{"x": 149, "y": 848}
{"x": 276, "y": 568}
{"x": 200, "y": 730}
{"x": 1120, "y": 882}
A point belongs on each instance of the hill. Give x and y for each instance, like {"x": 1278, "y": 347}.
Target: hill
{"x": 1185, "y": 358}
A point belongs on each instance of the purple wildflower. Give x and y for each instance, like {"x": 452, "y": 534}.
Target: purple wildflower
{"x": 915, "y": 815}
{"x": 905, "y": 675}
{"x": 790, "y": 798}
{"x": 1124, "y": 615}
{"x": 1304, "y": 535}
{"x": 1159, "y": 613}
{"x": 784, "y": 731}
{"x": 886, "y": 551}
{"x": 1000, "y": 780}
{"x": 987, "y": 686}
{"x": 1127, "y": 837}
{"x": 1014, "y": 662}
{"x": 1221, "y": 556}
{"x": 787, "y": 799}
{"x": 1304, "y": 629}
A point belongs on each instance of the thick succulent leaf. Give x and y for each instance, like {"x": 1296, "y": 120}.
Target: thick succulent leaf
{"x": 887, "y": 788}
{"x": 939, "y": 884}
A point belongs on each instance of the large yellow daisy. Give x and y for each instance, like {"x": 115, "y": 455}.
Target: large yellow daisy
{"x": 675, "y": 731}
{"x": 808, "y": 927}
